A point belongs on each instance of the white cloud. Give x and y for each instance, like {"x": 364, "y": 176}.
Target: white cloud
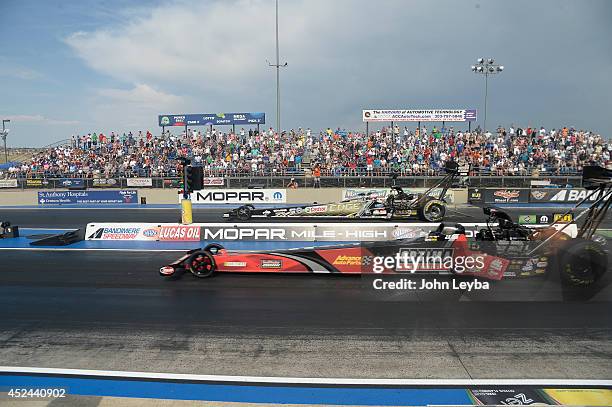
{"x": 130, "y": 109}
{"x": 37, "y": 118}
{"x": 7, "y": 69}
{"x": 347, "y": 55}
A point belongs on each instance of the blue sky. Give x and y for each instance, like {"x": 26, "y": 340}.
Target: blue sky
{"x": 76, "y": 67}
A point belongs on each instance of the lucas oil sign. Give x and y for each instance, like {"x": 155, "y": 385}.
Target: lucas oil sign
{"x": 239, "y": 196}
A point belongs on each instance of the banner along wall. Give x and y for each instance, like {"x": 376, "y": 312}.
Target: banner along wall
{"x": 297, "y": 232}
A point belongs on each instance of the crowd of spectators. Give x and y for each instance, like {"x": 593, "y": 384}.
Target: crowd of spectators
{"x": 400, "y": 151}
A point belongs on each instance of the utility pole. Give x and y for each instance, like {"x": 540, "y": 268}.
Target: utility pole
{"x": 278, "y": 66}
{"x": 4, "y": 134}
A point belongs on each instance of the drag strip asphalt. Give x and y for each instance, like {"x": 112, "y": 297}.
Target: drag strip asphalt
{"x": 95, "y": 310}
{"x": 78, "y": 218}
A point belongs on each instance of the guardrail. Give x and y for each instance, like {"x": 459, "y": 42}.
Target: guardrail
{"x": 304, "y": 181}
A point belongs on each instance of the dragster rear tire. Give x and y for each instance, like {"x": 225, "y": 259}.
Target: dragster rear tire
{"x": 582, "y": 262}
{"x": 433, "y": 210}
{"x": 245, "y": 212}
{"x": 201, "y": 264}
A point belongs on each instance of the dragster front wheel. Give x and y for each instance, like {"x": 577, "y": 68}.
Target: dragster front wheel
{"x": 432, "y": 211}
{"x": 582, "y": 262}
{"x": 201, "y": 264}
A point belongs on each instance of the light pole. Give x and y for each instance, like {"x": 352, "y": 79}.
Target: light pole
{"x": 278, "y": 66}
{"x": 486, "y": 67}
{"x": 4, "y": 134}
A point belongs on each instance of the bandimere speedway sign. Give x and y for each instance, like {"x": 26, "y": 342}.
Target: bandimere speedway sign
{"x": 302, "y": 232}
{"x": 419, "y": 115}
{"x": 238, "y": 196}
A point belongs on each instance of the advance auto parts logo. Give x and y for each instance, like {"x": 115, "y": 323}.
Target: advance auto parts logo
{"x": 343, "y": 260}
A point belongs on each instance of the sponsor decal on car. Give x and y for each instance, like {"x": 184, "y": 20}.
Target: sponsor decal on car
{"x": 317, "y": 209}
{"x": 235, "y": 264}
{"x": 343, "y": 260}
{"x": 271, "y": 264}
{"x": 179, "y": 233}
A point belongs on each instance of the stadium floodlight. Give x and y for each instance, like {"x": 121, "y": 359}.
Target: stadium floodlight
{"x": 4, "y": 134}
{"x": 278, "y": 66}
{"x": 486, "y": 67}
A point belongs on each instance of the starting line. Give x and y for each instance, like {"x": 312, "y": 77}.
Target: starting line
{"x": 295, "y": 390}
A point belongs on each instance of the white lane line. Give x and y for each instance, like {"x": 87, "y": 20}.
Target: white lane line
{"x": 309, "y": 380}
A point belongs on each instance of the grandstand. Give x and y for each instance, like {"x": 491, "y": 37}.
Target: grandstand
{"x": 383, "y": 154}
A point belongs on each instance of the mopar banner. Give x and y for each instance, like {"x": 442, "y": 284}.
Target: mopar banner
{"x": 139, "y": 182}
{"x": 88, "y": 197}
{"x": 206, "y": 119}
{"x": 8, "y": 183}
{"x": 506, "y": 195}
{"x": 306, "y": 233}
{"x": 302, "y": 232}
{"x": 238, "y": 196}
{"x": 435, "y": 115}
{"x": 565, "y": 195}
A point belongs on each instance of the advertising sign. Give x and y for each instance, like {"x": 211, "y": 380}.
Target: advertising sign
{"x": 475, "y": 196}
{"x": 8, "y": 183}
{"x": 303, "y": 232}
{"x": 105, "y": 182}
{"x": 36, "y": 183}
{"x": 88, "y": 197}
{"x": 297, "y": 232}
{"x": 213, "y": 182}
{"x": 72, "y": 183}
{"x": 506, "y": 195}
{"x": 136, "y": 231}
{"x": 420, "y": 115}
{"x": 238, "y": 196}
{"x": 139, "y": 182}
{"x": 207, "y": 119}
{"x": 179, "y": 233}
{"x": 564, "y": 195}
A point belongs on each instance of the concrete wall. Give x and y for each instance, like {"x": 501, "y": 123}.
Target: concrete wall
{"x": 169, "y": 196}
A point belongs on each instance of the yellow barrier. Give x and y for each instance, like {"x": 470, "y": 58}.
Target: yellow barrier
{"x": 186, "y": 212}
